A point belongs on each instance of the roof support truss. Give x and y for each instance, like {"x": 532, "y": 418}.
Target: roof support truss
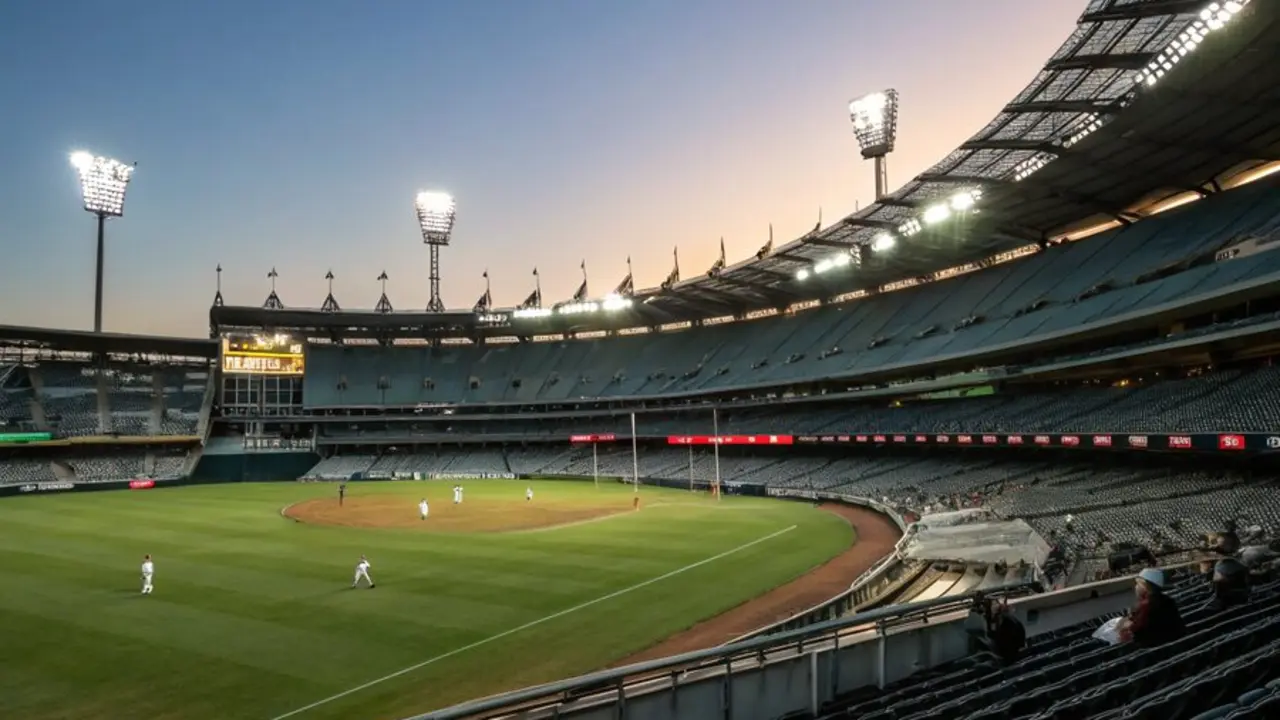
{"x": 1137, "y": 11}
{"x": 1119, "y": 61}
{"x": 776, "y": 295}
{"x": 869, "y": 223}
{"x": 1067, "y": 106}
{"x": 1014, "y": 144}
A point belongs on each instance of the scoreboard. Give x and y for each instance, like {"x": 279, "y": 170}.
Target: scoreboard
{"x": 262, "y": 355}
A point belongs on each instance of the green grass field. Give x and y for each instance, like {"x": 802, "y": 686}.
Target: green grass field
{"x": 252, "y": 615}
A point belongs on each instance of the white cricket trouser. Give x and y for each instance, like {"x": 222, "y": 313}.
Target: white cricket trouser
{"x": 146, "y": 584}
{"x": 361, "y": 574}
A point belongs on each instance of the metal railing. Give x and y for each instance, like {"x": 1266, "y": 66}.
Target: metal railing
{"x": 670, "y": 672}
{"x": 842, "y": 603}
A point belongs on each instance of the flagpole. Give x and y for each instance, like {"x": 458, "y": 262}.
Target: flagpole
{"x": 715, "y": 428}
{"x": 635, "y": 456}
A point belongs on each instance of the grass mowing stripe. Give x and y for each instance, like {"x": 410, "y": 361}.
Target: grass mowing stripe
{"x": 533, "y": 623}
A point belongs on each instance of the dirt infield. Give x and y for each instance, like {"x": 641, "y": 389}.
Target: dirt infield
{"x": 876, "y": 538}
{"x": 474, "y": 516}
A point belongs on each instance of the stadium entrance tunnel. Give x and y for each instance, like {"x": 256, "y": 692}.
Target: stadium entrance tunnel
{"x": 480, "y": 515}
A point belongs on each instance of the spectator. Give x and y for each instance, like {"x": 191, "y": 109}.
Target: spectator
{"x": 1005, "y": 632}
{"x": 994, "y": 630}
{"x": 1155, "y": 619}
{"x": 1225, "y": 542}
{"x": 1230, "y": 585}
{"x": 1257, "y": 556}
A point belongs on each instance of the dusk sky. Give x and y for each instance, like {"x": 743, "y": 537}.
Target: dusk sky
{"x": 294, "y": 134}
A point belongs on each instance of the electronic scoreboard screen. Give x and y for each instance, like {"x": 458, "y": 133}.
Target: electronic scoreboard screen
{"x": 262, "y": 355}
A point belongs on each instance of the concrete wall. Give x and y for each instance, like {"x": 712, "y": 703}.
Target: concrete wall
{"x": 799, "y": 679}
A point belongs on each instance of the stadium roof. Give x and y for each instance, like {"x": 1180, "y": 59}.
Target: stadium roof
{"x": 88, "y": 342}
{"x": 1097, "y": 146}
{"x": 1219, "y": 111}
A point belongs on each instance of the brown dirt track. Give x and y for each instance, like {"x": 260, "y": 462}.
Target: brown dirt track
{"x": 876, "y": 538}
{"x": 477, "y": 516}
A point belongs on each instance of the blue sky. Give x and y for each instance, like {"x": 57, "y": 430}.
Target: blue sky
{"x": 294, "y": 133}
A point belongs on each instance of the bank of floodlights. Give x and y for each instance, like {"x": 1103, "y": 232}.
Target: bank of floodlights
{"x": 608, "y": 304}
{"x": 875, "y": 124}
{"x": 1212, "y": 18}
{"x": 837, "y": 261}
{"x": 436, "y": 213}
{"x": 103, "y": 183}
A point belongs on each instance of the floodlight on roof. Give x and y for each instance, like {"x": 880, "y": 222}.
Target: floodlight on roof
{"x": 1028, "y": 167}
{"x": 910, "y": 227}
{"x": 614, "y": 303}
{"x": 103, "y": 182}
{"x": 882, "y": 242}
{"x": 436, "y": 213}
{"x": 803, "y": 274}
{"x": 936, "y": 214}
{"x": 962, "y": 201}
{"x": 531, "y": 313}
{"x": 1212, "y": 18}
{"x": 577, "y": 308}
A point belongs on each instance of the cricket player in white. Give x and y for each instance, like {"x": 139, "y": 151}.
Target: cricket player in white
{"x": 528, "y": 494}
{"x": 148, "y": 570}
{"x": 423, "y": 509}
{"x": 457, "y": 494}
{"x": 362, "y": 571}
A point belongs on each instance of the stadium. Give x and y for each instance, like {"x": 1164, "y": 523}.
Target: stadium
{"x": 820, "y": 482}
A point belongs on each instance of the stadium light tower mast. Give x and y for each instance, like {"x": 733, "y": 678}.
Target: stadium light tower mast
{"x": 103, "y": 182}
{"x": 875, "y": 124}
{"x": 436, "y": 212}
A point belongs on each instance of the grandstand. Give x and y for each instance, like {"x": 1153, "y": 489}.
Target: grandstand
{"x": 1081, "y": 369}
{"x": 1066, "y": 289}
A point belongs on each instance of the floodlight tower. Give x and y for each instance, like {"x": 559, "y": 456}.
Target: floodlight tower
{"x": 436, "y": 212}
{"x": 875, "y": 123}
{"x": 103, "y": 182}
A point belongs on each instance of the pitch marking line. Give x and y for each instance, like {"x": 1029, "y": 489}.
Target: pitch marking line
{"x": 539, "y": 621}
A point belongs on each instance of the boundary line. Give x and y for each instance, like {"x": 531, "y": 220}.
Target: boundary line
{"x": 533, "y": 623}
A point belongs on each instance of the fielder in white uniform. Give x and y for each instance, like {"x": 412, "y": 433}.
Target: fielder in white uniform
{"x": 528, "y": 494}
{"x": 423, "y": 509}
{"x": 457, "y": 494}
{"x": 148, "y": 570}
{"x": 362, "y": 571}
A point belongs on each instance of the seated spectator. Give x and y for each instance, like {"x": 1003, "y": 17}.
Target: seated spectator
{"x": 994, "y": 630}
{"x": 1155, "y": 619}
{"x": 1230, "y": 585}
{"x": 1257, "y": 556}
{"x": 1225, "y": 542}
{"x": 1005, "y": 632}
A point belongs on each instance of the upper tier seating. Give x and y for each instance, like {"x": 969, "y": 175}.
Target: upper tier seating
{"x": 1060, "y": 289}
{"x": 73, "y": 399}
{"x": 1224, "y": 401}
